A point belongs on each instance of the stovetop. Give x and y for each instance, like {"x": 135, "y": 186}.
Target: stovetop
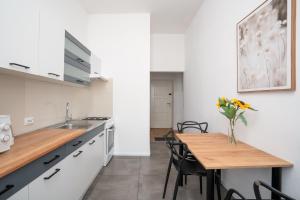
{"x": 97, "y": 118}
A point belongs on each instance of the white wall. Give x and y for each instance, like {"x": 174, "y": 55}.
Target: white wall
{"x": 167, "y": 53}
{"x": 211, "y": 72}
{"x": 177, "y": 79}
{"x": 122, "y": 42}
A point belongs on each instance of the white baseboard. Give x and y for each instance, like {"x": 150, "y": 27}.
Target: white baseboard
{"x": 131, "y": 154}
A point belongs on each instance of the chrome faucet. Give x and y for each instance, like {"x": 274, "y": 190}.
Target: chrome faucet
{"x": 68, "y": 116}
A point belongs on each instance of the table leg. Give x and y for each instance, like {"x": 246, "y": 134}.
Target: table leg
{"x": 218, "y": 173}
{"x": 210, "y": 190}
{"x": 218, "y": 182}
{"x": 276, "y": 181}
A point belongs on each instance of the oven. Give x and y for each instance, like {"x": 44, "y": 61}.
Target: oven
{"x": 110, "y": 139}
{"x": 110, "y": 132}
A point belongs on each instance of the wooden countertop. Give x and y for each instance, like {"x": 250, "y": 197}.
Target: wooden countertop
{"x": 31, "y": 146}
{"x": 213, "y": 151}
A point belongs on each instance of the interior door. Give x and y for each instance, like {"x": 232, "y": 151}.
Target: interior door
{"x": 161, "y": 103}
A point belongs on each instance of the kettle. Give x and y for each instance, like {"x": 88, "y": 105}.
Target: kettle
{"x": 6, "y": 136}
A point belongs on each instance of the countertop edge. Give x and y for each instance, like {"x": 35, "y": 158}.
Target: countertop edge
{"x": 37, "y": 153}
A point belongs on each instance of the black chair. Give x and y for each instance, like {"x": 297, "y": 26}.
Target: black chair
{"x": 184, "y": 164}
{"x": 230, "y": 194}
{"x": 258, "y": 184}
{"x": 202, "y": 126}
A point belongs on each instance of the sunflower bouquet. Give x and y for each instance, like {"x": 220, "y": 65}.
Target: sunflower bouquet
{"x": 234, "y": 110}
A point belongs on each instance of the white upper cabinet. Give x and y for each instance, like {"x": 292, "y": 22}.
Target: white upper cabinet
{"x": 19, "y": 21}
{"x": 95, "y": 65}
{"x": 96, "y": 72}
{"x": 51, "y": 40}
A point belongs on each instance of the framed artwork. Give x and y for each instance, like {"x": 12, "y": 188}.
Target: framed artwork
{"x": 266, "y": 48}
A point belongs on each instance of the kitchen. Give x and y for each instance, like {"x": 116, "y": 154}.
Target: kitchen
{"x": 76, "y": 103}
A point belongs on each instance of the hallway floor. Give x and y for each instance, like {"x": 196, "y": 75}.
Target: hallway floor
{"x": 158, "y": 132}
{"x": 141, "y": 178}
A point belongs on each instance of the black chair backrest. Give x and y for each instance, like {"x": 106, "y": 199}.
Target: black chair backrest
{"x": 258, "y": 184}
{"x": 202, "y": 126}
{"x": 230, "y": 194}
{"x": 172, "y": 144}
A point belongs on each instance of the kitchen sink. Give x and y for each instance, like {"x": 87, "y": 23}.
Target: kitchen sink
{"x": 74, "y": 124}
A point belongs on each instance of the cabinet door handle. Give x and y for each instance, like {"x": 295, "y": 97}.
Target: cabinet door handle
{"x": 57, "y": 75}
{"x": 80, "y": 60}
{"x": 92, "y": 142}
{"x": 101, "y": 135}
{"x": 6, "y": 189}
{"x": 16, "y": 64}
{"x": 49, "y": 177}
{"x": 50, "y": 161}
{"x": 77, "y": 143}
{"x": 76, "y": 155}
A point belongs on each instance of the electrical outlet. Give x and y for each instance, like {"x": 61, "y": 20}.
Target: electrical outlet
{"x": 28, "y": 121}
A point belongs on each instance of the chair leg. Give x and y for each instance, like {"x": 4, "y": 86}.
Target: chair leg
{"x": 167, "y": 178}
{"x": 176, "y": 185}
{"x": 200, "y": 180}
{"x": 185, "y": 179}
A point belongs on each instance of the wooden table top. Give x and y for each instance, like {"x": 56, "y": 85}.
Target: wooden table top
{"x": 213, "y": 151}
{"x": 31, "y": 146}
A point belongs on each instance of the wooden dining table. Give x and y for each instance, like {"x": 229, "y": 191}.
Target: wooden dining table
{"x": 215, "y": 153}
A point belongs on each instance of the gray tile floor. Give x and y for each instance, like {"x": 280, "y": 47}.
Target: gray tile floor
{"x": 141, "y": 178}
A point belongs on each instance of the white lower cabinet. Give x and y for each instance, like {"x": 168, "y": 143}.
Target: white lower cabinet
{"x": 87, "y": 165}
{"x": 53, "y": 184}
{"x": 77, "y": 172}
{"x": 95, "y": 156}
{"x": 20, "y": 195}
{"x": 71, "y": 177}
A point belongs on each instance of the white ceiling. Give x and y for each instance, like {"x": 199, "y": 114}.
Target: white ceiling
{"x": 167, "y": 16}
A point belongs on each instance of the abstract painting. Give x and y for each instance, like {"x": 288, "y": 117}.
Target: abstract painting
{"x": 266, "y": 47}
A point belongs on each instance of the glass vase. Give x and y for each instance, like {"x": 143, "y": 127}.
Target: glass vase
{"x": 231, "y": 133}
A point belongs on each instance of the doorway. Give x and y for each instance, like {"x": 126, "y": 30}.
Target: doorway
{"x": 166, "y": 103}
{"x": 161, "y": 116}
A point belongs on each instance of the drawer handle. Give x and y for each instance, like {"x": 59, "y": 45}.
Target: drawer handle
{"x": 76, "y": 155}
{"x": 79, "y": 81}
{"x": 92, "y": 142}
{"x": 7, "y": 188}
{"x": 57, "y": 75}
{"x": 77, "y": 143}
{"x": 53, "y": 159}
{"x": 49, "y": 177}
{"x": 16, "y": 64}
